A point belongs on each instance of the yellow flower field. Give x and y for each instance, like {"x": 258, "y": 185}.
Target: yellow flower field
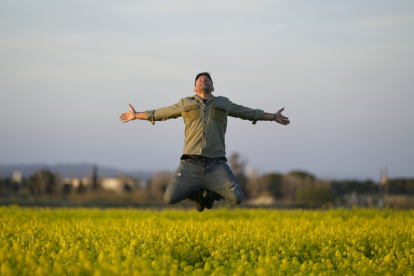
{"x": 218, "y": 242}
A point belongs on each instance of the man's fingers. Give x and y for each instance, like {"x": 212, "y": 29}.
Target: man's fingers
{"x": 282, "y": 119}
{"x": 124, "y": 116}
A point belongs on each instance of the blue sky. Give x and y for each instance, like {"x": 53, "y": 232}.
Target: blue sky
{"x": 342, "y": 70}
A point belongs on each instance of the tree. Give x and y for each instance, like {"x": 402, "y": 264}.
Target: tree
{"x": 315, "y": 195}
{"x": 401, "y": 186}
{"x": 349, "y": 186}
{"x": 42, "y": 183}
{"x": 158, "y": 183}
{"x": 254, "y": 186}
{"x": 304, "y": 176}
{"x": 82, "y": 188}
{"x": 295, "y": 180}
{"x": 273, "y": 182}
{"x": 238, "y": 167}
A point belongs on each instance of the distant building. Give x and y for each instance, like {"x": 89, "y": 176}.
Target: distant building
{"x": 17, "y": 177}
{"x": 117, "y": 184}
{"x": 74, "y": 182}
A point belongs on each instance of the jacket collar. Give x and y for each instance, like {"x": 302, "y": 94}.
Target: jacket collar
{"x": 197, "y": 98}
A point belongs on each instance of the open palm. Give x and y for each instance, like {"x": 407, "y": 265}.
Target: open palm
{"x": 128, "y": 116}
{"x": 281, "y": 119}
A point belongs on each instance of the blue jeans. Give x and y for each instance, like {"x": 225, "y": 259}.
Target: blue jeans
{"x": 192, "y": 175}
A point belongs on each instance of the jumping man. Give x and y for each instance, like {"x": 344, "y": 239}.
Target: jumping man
{"x": 203, "y": 163}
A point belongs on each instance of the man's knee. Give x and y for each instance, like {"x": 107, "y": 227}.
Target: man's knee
{"x": 235, "y": 200}
{"x": 168, "y": 199}
{"x": 239, "y": 200}
{"x": 238, "y": 196}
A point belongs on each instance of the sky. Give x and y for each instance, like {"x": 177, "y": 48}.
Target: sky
{"x": 343, "y": 71}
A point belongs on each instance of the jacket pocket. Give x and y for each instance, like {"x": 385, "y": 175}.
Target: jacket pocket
{"x": 192, "y": 113}
{"x": 218, "y": 112}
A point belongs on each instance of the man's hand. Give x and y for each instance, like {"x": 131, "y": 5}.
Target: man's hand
{"x": 128, "y": 116}
{"x": 280, "y": 118}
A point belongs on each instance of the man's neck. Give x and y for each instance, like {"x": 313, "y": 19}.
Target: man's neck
{"x": 204, "y": 94}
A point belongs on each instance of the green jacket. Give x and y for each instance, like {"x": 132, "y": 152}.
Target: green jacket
{"x": 205, "y": 124}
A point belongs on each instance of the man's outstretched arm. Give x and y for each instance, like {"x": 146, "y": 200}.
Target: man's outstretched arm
{"x": 160, "y": 114}
{"x": 277, "y": 117}
{"x": 246, "y": 113}
{"x": 132, "y": 115}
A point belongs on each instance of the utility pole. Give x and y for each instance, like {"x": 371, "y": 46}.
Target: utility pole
{"x": 95, "y": 177}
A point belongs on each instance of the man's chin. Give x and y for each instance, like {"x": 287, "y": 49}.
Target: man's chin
{"x": 205, "y": 90}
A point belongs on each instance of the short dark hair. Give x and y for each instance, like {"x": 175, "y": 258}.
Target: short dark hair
{"x": 207, "y": 74}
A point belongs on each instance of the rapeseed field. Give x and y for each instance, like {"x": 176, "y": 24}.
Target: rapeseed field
{"x": 219, "y": 242}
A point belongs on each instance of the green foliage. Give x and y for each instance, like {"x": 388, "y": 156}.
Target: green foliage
{"x": 349, "y": 186}
{"x": 237, "y": 166}
{"x": 302, "y": 175}
{"x": 8, "y": 187}
{"x": 315, "y": 195}
{"x": 42, "y": 183}
{"x": 401, "y": 186}
{"x": 274, "y": 184}
{"x": 220, "y": 242}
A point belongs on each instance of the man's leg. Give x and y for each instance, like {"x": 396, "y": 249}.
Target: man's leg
{"x": 220, "y": 179}
{"x": 185, "y": 182}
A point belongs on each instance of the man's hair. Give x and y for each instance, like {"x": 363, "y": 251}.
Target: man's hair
{"x": 207, "y": 74}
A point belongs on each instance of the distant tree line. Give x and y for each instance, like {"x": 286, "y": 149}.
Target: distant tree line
{"x": 9, "y": 187}
{"x": 44, "y": 184}
{"x": 349, "y": 186}
{"x": 400, "y": 186}
{"x": 295, "y": 186}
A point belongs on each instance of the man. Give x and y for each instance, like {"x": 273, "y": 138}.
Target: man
{"x": 203, "y": 163}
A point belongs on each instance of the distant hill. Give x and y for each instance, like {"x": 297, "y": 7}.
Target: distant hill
{"x": 70, "y": 170}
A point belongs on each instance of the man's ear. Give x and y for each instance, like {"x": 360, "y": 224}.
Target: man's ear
{"x": 195, "y": 89}
{"x": 212, "y": 89}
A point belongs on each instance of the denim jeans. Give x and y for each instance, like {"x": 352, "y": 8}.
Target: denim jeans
{"x": 192, "y": 175}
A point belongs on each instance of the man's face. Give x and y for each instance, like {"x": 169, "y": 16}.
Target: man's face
{"x": 204, "y": 84}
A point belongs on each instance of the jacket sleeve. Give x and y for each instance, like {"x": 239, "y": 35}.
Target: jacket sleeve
{"x": 245, "y": 113}
{"x": 171, "y": 112}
